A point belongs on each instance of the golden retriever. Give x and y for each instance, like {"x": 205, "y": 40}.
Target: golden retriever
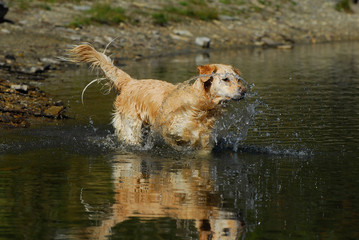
{"x": 183, "y": 114}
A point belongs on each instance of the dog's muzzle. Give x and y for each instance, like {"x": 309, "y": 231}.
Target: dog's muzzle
{"x": 242, "y": 93}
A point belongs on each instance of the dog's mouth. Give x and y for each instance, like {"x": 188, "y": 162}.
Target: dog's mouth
{"x": 239, "y": 96}
{"x": 236, "y": 99}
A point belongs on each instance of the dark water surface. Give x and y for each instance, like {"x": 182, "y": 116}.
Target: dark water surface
{"x": 286, "y": 165}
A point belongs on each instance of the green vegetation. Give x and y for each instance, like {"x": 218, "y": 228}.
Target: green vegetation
{"x": 194, "y": 10}
{"x": 23, "y": 4}
{"x": 197, "y": 9}
{"x": 265, "y": 2}
{"x": 225, "y": 1}
{"x": 102, "y": 14}
{"x": 160, "y": 19}
{"x": 172, "y": 11}
{"x": 44, "y": 4}
{"x": 235, "y": 2}
{"x": 343, "y": 5}
{"x": 294, "y": 3}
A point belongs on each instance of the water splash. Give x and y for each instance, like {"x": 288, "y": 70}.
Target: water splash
{"x": 3, "y": 147}
{"x": 232, "y": 127}
{"x": 91, "y": 125}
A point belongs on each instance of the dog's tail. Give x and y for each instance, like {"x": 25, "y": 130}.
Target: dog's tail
{"x": 86, "y": 53}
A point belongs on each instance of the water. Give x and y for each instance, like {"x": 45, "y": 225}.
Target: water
{"x": 286, "y": 165}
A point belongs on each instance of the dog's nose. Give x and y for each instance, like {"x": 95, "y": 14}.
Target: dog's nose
{"x": 242, "y": 91}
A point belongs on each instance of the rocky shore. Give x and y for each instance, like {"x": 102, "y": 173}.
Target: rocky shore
{"x": 34, "y": 35}
{"x": 20, "y": 104}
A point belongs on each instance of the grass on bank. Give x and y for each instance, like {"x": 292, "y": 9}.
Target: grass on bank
{"x": 44, "y": 4}
{"x": 101, "y": 14}
{"x": 172, "y": 11}
{"x": 343, "y": 5}
{"x": 197, "y": 9}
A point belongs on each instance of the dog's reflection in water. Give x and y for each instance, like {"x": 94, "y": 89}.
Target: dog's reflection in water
{"x": 185, "y": 192}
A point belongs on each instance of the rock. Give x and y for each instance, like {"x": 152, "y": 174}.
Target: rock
{"x": 177, "y": 37}
{"x": 10, "y": 57}
{"x": 20, "y": 87}
{"x": 24, "y": 22}
{"x": 269, "y": 42}
{"x": 54, "y": 111}
{"x": 145, "y": 5}
{"x": 81, "y": 8}
{"x": 285, "y": 46}
{"x": 4, "y": 118}
{"x": 19, "y": 108}
{"x": 5, "y": 31}
{"x": 59, "y": 103}
{"x": 99, "y": 40}
{"x": 204, "y": 42}
{"x": 75, "y": 37}
{"x": 3, "y": 10}
{"x": 228, "y": 18}
{"x": 35, "y": 69}
{"x": 182, "y": 33}
{"x": 9, "y": 60}
{"x": 49, "y": 60}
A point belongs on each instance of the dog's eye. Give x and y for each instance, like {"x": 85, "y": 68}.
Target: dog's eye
{"x": 226, "y": 79}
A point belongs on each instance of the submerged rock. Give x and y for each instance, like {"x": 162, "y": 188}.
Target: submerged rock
{"x": 54, "y": 111}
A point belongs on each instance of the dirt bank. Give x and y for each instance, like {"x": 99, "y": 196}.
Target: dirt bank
{"x": 35, "y": 34}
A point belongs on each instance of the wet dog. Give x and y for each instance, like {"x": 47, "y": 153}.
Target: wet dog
{"x": 183, "y": 114}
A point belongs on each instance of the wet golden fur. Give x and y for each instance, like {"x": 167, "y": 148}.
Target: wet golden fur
{"x": 184, "y": 114}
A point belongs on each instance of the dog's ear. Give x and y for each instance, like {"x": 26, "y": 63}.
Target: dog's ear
{"x": 204, "y": 70}
{"x": 236, "y": 71}
{"x": 207, "y": 69}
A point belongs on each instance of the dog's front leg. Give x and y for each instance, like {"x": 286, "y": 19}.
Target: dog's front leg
{"x": 128, "y": 129}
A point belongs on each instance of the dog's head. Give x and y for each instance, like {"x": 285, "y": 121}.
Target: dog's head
{"x": 221, "y": 82}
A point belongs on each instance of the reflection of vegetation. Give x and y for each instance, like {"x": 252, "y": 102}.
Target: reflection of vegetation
{"x": 343, "y": 5}
{"x": 101, "y": 13}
